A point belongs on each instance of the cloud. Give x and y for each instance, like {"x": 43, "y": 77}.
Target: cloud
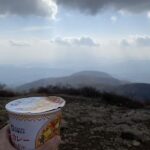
{"x": 36, "y": 28}
{"x": 148, "y": 14}
{"x": 113, "y": 19}
{"x": 19, "y": 43}
{"x": 95, "y": 6}
{"x": 46, "y": 8}
{"x": 143, "y": 41}
{"x": 136, "y": 41}
{"x": 82, "y": 41}
{"x": 49, "y": 8}
{"x": 124, "y": 43}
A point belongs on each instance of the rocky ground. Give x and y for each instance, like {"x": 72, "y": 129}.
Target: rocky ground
{"x": 93, "y": 124}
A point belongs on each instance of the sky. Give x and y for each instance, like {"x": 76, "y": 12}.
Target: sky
{"x": 84, "y": 34}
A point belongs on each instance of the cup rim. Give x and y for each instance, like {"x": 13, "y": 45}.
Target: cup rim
{"x": 34, "y": 114}
{"x": 11, "y": 111}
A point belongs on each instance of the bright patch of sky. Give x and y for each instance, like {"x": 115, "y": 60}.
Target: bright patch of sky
{"x": 148, "y": 14}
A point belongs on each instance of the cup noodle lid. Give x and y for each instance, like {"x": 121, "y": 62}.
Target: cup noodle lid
{"x": 35, "y": 105}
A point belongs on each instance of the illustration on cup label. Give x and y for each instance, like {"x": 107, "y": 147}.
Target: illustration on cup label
{"x": 48, "y": 131}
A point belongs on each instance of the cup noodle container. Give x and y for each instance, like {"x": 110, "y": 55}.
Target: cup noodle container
{"x": 34, "y": 121}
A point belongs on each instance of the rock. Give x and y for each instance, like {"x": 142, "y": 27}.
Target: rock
{"x": 74, "y": 134}
{"x": 128, "y": 136}
{"x": 136, "y": 143}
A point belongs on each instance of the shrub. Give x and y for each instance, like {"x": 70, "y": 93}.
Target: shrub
{"x": 89, "y": 92}
{"x": 7, "y": 93}
{"x": 109, "y": 98}
{"x": 118, "y": 100}
{"x": 85, "y": 91}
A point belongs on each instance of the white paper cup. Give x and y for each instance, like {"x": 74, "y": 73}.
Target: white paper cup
{"x": 34, "y": 121}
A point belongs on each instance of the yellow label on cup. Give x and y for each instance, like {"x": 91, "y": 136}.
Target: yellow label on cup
{"x": 48, "y": 131}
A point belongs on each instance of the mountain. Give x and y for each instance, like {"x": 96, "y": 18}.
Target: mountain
{"x": 96, "y": 79}
{"x": 138, "y": 91}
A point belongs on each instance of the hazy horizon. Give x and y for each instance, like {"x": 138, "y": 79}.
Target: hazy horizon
{"x": 15, "y": 75}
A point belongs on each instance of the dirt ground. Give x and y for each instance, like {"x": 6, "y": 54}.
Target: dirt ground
{"x": 92, "y": 124}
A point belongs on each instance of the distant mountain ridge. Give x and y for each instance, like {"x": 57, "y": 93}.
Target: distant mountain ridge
{"x": 92, "y": 74}
{"x": 100, "y": 80}
{"x": 96, "y": 79}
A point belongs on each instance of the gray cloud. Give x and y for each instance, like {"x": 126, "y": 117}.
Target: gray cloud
{"x": 49, "y": 7}
{"x": 139, "y": 41}
{"x": 124, "y": 43}
{"x": 19, "y": 43}
{"x": 143, "y": 41}
{"x": 82, "y": 41}
{"x": 94, "y": 6}
{"x": 27, "y": 7}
